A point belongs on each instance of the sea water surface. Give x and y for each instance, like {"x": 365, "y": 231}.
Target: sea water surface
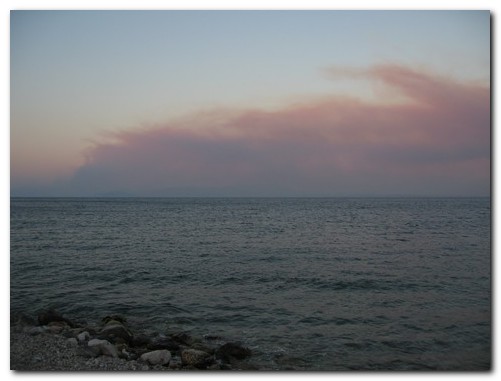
{"x": 306, "y": 283}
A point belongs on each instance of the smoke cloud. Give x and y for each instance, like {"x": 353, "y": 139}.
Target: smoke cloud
{"x": 435, "y": 141}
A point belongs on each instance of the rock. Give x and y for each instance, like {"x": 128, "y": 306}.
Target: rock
{"x": 203, "y": 347}
{"x": 196, "y": 358}
{"x": 70, "y": 332}
{"x": 56, "y": 326}
{"x": 109, "y": 349}
{"x": 83, "y": 336}
{"x": 121, "y": 347}
{"x": 183, "y": 338}
{"x": 45, "y": 317}
{"x": 114, "y": 319}
{"x": 159, "y": 357}
{"x": 232, "y": 350}
{"x": 116, "y": 333}
{"x": 129, "y": 356}
{"x": 93, "y": 331}
{"x": 122, "y": 350}
{"x": 95, "y": 342}
{"x": 162, "y": 342}
{"x": 51, "y": 315}
{"x": 141, "y": 340}
{"x": 72, "y": 341}
{"x": 33, "y": 331}
{"x": 105, "y": 347}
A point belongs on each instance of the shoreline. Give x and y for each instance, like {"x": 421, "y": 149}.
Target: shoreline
{"x": 51, "y": 342}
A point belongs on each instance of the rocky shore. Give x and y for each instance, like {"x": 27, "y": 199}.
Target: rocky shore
{"x": 51, "y": 342}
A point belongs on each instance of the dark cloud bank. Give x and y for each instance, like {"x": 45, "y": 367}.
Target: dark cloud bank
{"x": 437, "y": 142}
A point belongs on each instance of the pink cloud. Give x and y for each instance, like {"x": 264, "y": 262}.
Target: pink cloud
{"x": 438, "y": 142}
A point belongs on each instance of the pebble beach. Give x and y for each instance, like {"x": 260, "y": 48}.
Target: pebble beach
{"x": 52, "y": 342}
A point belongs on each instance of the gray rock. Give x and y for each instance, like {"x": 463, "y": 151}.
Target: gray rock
{"x": 95, "y": 342}
{"x": 114, "y": 318}
{"x": 45, "y": 317}
{"x": 56, "y": 326}
{"x": 115, "y": 332}
{"x": 196, "y": 358}
{"x": 72, "y": 341}
{"x": 33, "y": 331}
{"x": 183, "y": 338}
{"x": 109, "y": 349}
{"x": 83, "y": 336}
{"x": 105, "y": 347}
{"x": 51, "y": 315}
{"x": 204, "y": 347}
{"x": 141, "y": 340}
{"x": 159, "y": 357}
{"x": 233, "y": 350}
{"x": 124, "y": 354}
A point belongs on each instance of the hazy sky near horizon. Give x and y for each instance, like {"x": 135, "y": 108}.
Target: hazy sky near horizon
{"x": 244, "y": 103}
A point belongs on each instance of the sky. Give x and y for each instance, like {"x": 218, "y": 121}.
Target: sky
{"x": 250, "y": 103}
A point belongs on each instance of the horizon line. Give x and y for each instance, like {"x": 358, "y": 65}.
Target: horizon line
{"x": 289, "y": 196}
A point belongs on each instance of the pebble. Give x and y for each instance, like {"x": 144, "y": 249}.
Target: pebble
{"x": 196, "y": 358}
{"x": 105, "y": 347}
{"x": 158, "y": 357}
{"x": 56, "y": 326}
{"x": 33, "y": 331}
{"x": 72, "y": 341}
{"x": 83, "y": 337}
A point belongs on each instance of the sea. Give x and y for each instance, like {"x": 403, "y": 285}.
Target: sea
{"x": 328, "y": 284}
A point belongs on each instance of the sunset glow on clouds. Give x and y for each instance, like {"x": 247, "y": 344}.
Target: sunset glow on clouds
{"x": 208, "y": 104}
{"x": 435, "y": 142}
